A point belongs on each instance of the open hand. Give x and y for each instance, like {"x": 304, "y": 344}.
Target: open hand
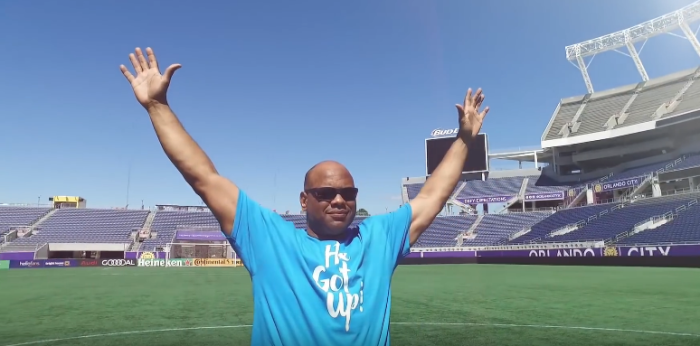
{"x": 150, "y": 87}
{"x": 470, "y": 118}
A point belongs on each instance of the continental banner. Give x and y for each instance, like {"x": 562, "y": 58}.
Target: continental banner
{"x": 4, "y": 265}
{"x": 160, "y": 263}
{"x": 216, "y": 262}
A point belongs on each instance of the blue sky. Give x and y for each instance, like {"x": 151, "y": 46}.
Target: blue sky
{"x": 270, "y": 88}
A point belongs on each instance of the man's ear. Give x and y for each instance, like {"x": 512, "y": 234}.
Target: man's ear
{"x": 302, "y": 200}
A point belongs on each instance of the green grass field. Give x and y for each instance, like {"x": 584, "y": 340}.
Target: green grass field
{"x": 433, "y": 305}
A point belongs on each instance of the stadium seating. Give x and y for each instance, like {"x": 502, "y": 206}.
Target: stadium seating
{"x": 166, "y": 223}
{"x": 444, "y": 231}
{"x": 495, "y": 228}
{"x": 413, "y": 190}
{"x": 623, "y": 219}
{"x": 19, "y": 216}
{"x": 682, "y": 229}
{"x": 599, "y": 107}
{"x": 691, "y": 161}
{"x": 560, "y": 220}
{"x": 542, "y": 184}
{"x": 86, "y": 226}
{"x": 491, "y": 187}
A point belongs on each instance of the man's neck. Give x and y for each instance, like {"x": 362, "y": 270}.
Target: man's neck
{"x": 322, "y": 236}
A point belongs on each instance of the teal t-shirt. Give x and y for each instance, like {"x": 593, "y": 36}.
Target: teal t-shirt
{"x": 312, "y": 292}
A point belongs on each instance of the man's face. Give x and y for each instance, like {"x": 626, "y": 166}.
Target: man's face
{"x": 330, "y": 200}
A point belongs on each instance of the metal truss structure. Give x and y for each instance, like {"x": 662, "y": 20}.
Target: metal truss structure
{"x": 638, "y": 33}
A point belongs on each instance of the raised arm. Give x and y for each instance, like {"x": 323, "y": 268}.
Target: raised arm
{"x": 438, "y": 188}
{"x": 150, "y": 89}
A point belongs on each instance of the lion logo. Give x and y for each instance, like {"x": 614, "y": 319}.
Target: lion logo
{"x": 610, "y": 251}
{"x": 147, "y": 255}
{"x": 598, "y": 188}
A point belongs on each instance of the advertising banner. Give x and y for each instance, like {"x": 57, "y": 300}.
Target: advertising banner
{"x": 200, "y": 235}
{"x": 117, "y": 262}
{"x": 175, "y": 262}
{"x": 89, "y": 262}
{"x": 50, "y": 263}
{"x": 60, "y": 263}
{"x": 581, "y": 252}
{"x": 486, "y": 200}
{"x": 653, "y": 251}
{"x": 549, "y": 196}
{"x": 216, "y": 262}
{"x": 4, "y": 264}
{"x": 610, "y": 251}
{"x": 617, "y": 184}
{"x": 145, "y": 254}
{"x": 17, "y": 256}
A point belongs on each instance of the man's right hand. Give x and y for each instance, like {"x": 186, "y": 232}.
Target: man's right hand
{"x": 150, "y": 87}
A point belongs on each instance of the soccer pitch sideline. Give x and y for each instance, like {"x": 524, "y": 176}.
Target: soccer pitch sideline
{"x": 432, "y": 305}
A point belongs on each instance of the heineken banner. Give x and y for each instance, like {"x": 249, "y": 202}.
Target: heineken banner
{"x": 617, "y": 184}
{"x": 549, "y": 196}
{"x": 159, "y": 262}
{"x": 486, "y": 200}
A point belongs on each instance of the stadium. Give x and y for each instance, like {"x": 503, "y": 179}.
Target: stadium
{"x": 614, "y": 184}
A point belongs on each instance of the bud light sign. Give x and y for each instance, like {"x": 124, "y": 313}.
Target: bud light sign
{"x": 442, "y": 133}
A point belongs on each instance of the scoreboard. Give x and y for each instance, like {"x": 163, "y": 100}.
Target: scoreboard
{"x": 477, "y": 160}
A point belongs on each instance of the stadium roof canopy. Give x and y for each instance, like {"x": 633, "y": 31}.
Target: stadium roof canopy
{"x": 632, "y": 108}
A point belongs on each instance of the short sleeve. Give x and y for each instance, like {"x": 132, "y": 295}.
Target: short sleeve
{"x": 392, "y": 229}
{"x": 253, "y": 230}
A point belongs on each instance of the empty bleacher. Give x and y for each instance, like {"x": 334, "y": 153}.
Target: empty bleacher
{"x": 86, "y": 226}
{"x": 491, "y": 187}
{"x": 601, "y": 106}
{"x": 11, "y": 216}
{"x": 560, "y": 220}
{"x": 496, "y": 228}
{"x": 624, "y": 219}
{"x": 166, "y": 223}
{"x": 684, "y": 228}
{"x": 444, "y": 231}
{"x": 542, "y": 184}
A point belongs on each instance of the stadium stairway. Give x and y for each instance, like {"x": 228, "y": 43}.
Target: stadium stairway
{"x": 41, "y": 220}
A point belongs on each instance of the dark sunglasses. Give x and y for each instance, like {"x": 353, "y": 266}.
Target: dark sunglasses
{"x": 328, "y": 194}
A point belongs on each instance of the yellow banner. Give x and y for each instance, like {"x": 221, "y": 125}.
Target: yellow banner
{"x": 216, "y": 262}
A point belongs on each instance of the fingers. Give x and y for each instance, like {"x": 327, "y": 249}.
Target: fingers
{"x": 482, "y": 115}
{"x": 152, "y": 58}
{"x": 135, "y": 63}
{"x": 170, "y": 71}
{"x": 126, "y": 73}
{"x": 467, "y": 97}
{"x": 142, "y": 59}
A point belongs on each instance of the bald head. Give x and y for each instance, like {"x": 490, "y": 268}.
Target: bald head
{"x": 328, "y": 173}
{"x": 329, "y": 199}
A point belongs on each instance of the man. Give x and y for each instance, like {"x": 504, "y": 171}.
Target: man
{"x": 327, "y": 284}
